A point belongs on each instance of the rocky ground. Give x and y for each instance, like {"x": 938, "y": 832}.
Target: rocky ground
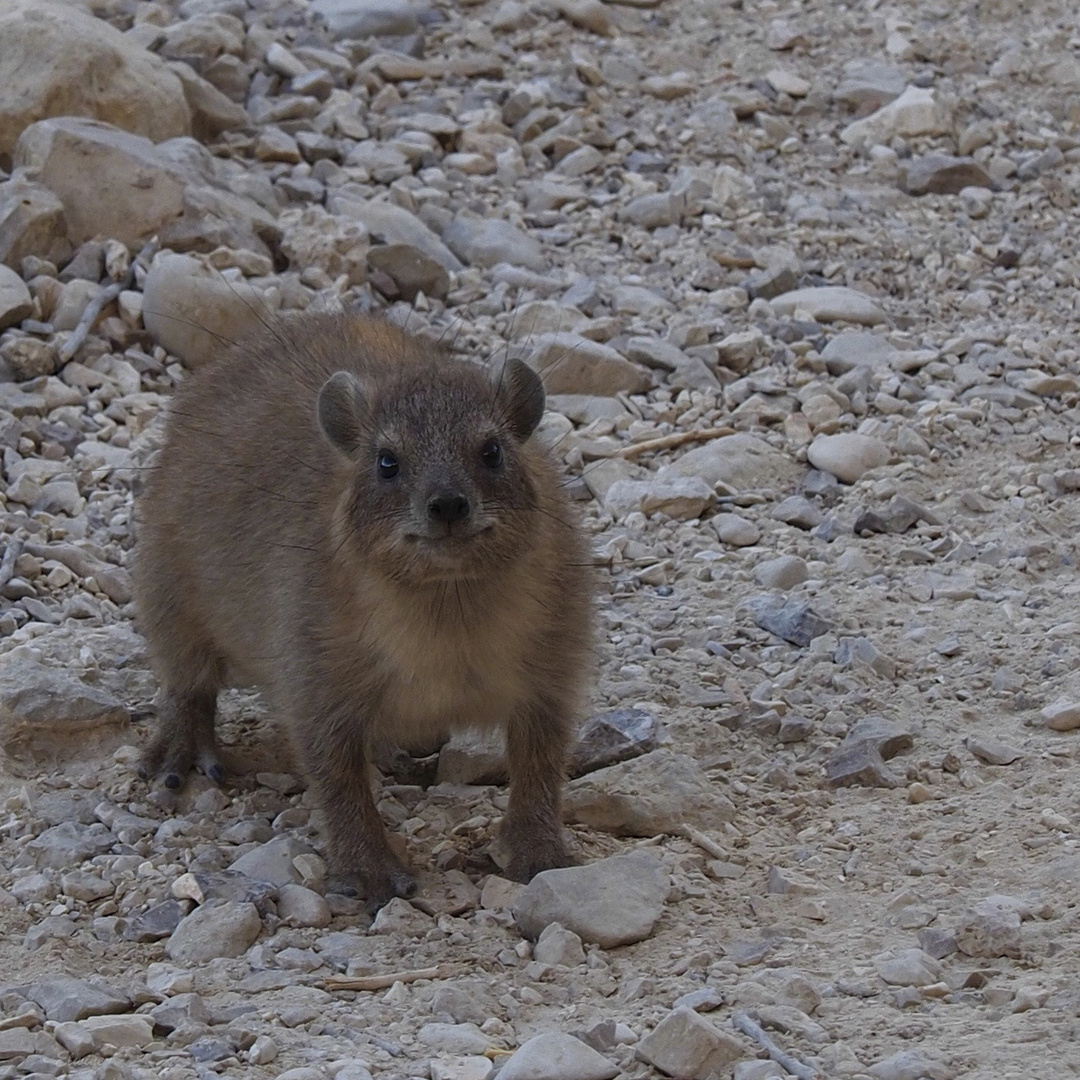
{"x": 802, "y": 282}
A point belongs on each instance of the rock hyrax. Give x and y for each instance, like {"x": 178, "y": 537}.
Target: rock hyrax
{"x": 360, "y": 524}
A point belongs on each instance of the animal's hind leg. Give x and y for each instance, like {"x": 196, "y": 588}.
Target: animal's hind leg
{"x": 184, "y": 739}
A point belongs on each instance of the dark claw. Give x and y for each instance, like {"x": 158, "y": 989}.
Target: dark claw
{"x": 172, "y": 781}
{"x": 144, "y": 773}
{"x": 409, "y": 891}
{"x": 216, "y": 773}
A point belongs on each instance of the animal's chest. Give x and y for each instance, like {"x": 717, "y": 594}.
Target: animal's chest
{"x": 436, "y": 677}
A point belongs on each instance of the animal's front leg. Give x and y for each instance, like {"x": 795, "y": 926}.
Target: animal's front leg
{"x": 336, "y": 759}
{"x": 537, "y": 740}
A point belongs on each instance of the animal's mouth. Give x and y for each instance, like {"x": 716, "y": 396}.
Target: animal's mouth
{"x": 450, "y": 536}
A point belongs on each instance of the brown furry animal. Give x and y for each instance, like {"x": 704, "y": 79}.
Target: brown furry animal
{"x": 360, "y": 525}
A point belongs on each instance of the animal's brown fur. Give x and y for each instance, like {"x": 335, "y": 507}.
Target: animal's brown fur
{"x": 272, "y": 553}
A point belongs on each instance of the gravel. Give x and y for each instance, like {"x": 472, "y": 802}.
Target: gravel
{"x": 803, "y": 297}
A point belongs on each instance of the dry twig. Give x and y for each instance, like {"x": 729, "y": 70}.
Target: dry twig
{"x": 678, "y": 438}
{"x": 106, "y": 295}
{"x": 383, "y": 982}
{"x": 743, "y": 1023}
{"x": 706, "y": 843}
{"x": 7, "y": 564}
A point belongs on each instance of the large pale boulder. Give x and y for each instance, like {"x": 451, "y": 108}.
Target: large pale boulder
{"x": 192, "y": 310}
{"x": 112, "y": 183}
{"x": 58, "y": 60}
{"x": 115, "y": 184}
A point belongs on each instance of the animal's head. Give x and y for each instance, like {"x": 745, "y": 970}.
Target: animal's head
{"x": 440, "y": 483}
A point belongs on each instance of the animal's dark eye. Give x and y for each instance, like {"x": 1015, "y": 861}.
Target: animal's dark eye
{"x": 387, "y": 465}
{"x": 492, "y": 454}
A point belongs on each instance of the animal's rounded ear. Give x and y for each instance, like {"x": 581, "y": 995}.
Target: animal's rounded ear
{"x": 521, "y": 398}
{"x": 341, "y": 405}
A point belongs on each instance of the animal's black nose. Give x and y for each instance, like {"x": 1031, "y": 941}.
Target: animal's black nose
{"x": 448, "y": 508}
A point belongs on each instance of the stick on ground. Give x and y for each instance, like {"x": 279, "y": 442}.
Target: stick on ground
{"x": 105, "y": 297}
{"x": 743, "y": 1023}
{"x": 678, "y": 438}
{"x": 383, "y": 982}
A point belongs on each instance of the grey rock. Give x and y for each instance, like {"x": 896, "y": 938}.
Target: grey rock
{"x": 657, "y": 793}
{"x": 653, "y": 211}
{"x": 869, "y": 83}
{"x": 571, "y": 364}
{"x": 66, "y": 845}
{"x": 611, "y": 737}
{"x": 860, "y": 651}
{"x": 16, "y": 1045}
{"x": 857, "y": 348}
{"x": 911, "y": 1065}
{"x": 886, "y": 736}
{"x": 706, "y": 999}
{"x": 799, "y": 511}
{"x": 190, "y": 308}
{"x": 60, "y": 927}
{"x": 639, "y": 300}
{"x": 413, "y": 271}
{"x": 299, "y": 906}
{"x": 688, "y": 1046}
{"x": 29, "y": 357}
{"x": 34, "y": 888}
{"x": 48, "y": 715}
{"x": 131, "y": 1030}
{"x": 655, "y": 353}
{"x": 454, "y": 1038}
{"x": 735, "y": 530}
{"x": 912, "y": 967}
{"x": 392, "y": 224}
{"x": 63, "y": 60}
{"x": 212, "y": 112}
{"x": 992, "y": 931}
{"x": 211, "y": 1049}
{"x": 783, "y": 573}
{"x": 915, "y": 112}
{"x": 830, "y": 303}
{"x": 614, "y": 901}
{"x": 111, "y": 183}
{"x": 72, "y": 999}
{"x": 758, "y": 1070}
{"x": 554, "y": 1056}
{"x": 847, "y": 455}
{"x": 740, "y": 462}
{"x": 794, "y": 728}
{"x": 792, "y": 620}
{"x": 157, "y": 922}
{"x": 547, "y": 317}
{"x": 899, "y": 515}
{"x": 993, "y": 752}
{"x": 771, "y": 282}
{"x": 739, "y": 350}
{"x": 31, "y": 223}
{"x": 214, "y": 930}
{"x": 273, "y": 861}
{"x": 942, "y": 174}
{"x": 15, "y": 301}
{"x": 860, "y": 764}
{"x": 367, "y": 18}
{"x": 473, "y": 757}
{"x": 557, "y": 945}
{"x": 682, "y": 498}
{"x": 937, "y": 943}
{"x": 180, "y": 1009}
{"x": 487, "y": 241}
{"x": 400, "y": 918}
